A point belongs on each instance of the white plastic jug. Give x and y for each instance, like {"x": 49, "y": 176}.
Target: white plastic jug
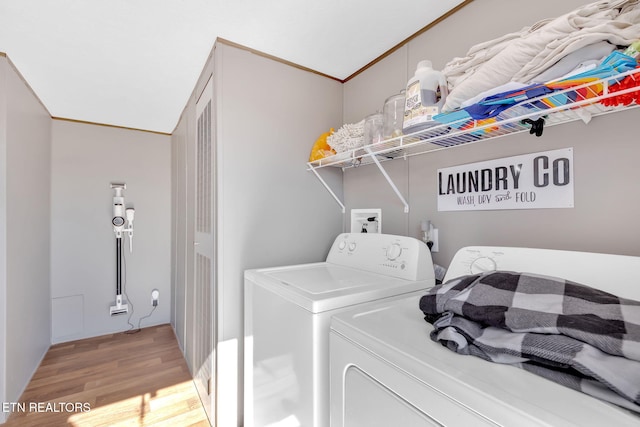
{"x": 425, "y": 95}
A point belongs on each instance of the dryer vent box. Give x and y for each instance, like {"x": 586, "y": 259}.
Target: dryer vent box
{"x": 366, "y": 220}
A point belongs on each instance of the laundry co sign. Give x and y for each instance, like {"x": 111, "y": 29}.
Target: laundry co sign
{"x": 529, "y": 181}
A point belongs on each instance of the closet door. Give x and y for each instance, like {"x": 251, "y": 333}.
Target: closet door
{"x": 204, "y": 253}
{"x": 182, "y": 241}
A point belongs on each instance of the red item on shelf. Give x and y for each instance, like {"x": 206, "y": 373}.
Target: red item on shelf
{"x": 631, "y": 81}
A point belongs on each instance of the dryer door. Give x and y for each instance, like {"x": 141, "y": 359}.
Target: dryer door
{"x": 369, "y": 403}
{"x": 367, "y": 391}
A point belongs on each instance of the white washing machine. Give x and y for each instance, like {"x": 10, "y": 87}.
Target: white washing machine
{"x": 287, "y": 317}
{"x": 386, "y": 371}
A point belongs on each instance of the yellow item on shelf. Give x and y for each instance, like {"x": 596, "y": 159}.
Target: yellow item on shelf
{"x": 321, "y": 149}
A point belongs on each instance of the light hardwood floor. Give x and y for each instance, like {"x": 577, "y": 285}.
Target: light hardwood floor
{"x": 120, "y": 379}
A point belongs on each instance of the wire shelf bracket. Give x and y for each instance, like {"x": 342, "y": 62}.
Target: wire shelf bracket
{"x": 328, "y": 188}
{"x": 389, "y": 180}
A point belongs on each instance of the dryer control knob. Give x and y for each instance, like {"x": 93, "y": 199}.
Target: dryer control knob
{"x": 342, "y": 245}
{"x": 483, "y": 265}
{"x": 352, "y": 246}
{"x": 394, "y": 251}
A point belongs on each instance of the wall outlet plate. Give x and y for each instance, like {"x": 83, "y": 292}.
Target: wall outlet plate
{"x": 434, "y": 239}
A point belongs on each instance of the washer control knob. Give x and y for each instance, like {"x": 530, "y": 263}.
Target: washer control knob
{"x": 342, "y": 245}
{"x": 352, "y": 246}
{"x": 394, "y": 251}
{"x": 482, "y": 265}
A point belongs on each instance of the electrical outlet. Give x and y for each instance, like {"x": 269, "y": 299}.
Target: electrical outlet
{"x": 434, "y": 239}
{"x": 155, "y": 294}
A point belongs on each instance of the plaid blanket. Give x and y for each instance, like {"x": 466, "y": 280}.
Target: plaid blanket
{"x": 572, "y": 334}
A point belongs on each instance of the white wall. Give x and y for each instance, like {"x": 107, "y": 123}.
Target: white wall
{"x": 25, "y": 141}
{"x": 85, "y": 160}
{"x": 604, "y": 217}
{"x": 3, "y": 233}
{"x": 274, "y": 212}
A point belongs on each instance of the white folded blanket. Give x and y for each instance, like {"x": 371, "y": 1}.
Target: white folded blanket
{"x": 523, "y": 55}
{"x": 580, "y": 59}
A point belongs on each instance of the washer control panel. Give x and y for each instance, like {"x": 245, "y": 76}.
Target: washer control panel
{"x": 483, "y": 264}
{"x": 398, "y": 256}
{"x": 479, "y": 259}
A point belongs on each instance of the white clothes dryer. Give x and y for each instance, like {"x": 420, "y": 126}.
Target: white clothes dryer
{"x": 386, "y": 371}
{"x": 287, "y": 316}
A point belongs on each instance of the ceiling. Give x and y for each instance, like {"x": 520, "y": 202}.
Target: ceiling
{"x": 134, "y": 63}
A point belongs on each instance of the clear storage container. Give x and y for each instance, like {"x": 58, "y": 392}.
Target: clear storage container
{"x": 373, "y": 127}
{"x": 393, "y": 113}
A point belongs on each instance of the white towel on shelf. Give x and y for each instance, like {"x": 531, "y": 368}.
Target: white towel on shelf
{"x": 348, "y": 137}
{"x": 622, "y": 30}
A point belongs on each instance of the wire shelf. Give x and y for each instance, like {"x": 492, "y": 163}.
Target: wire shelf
{"x": 581, "y": 102}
